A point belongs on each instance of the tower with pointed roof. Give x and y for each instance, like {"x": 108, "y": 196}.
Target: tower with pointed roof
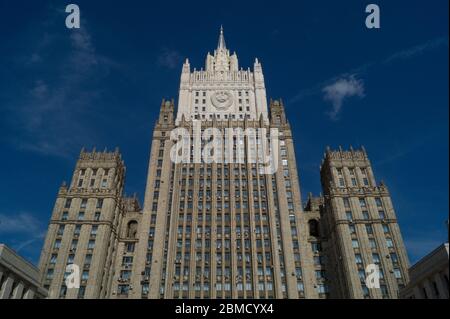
{"x": 222, "y": 89}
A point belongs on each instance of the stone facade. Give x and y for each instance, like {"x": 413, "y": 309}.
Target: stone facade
{"x": 222, "y": 229}
{"x": 19, "y": 279}
{"x": 429, "y": 276}
{"x": 84, "y": 227}
{"x": 361, "y": 228}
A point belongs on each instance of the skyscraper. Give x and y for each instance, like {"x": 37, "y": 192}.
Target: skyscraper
{"x": 222, "y": 215}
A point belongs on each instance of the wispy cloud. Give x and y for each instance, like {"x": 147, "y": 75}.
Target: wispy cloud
{"x": 417, "y": 50}
{"x": 404, "y": 149}
{"x": 19, "y": 223}
{"x": 29, "y": 242}
{"x": 343, "y": 88}
{"x": 51, "y": 116}
{"x": 168, "y": 58}
{"x": 22, "y": 232}
{"x": 365, "y": 68}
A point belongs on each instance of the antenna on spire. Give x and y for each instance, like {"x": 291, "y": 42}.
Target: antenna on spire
{"x": 221, "y": 44}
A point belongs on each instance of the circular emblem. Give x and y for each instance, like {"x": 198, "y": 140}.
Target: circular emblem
{"x": 222, "y": 99}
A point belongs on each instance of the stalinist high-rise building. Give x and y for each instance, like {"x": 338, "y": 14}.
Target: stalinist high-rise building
{"x": 223, "y": 215}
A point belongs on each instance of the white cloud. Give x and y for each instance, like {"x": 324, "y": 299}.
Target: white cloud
{"x": 169, "y": 58}
{"x": 340, "y": 90}
{"x": 19, "y": 223}
{"x": 40, "y": 90}
{"x": 405, "y": 54}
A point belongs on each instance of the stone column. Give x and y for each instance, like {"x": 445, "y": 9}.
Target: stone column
{"x": 429, "y": 290}
{"x": 29, "y": 294}
{"x": 5, "y": 290}
{"x": 18, "y": 291}
{"x": 443, "y": 292}
{"x": 418, "y": 294}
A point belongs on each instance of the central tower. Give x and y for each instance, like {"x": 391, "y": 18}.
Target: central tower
{"x": 222, "y": 229}
{"x": 222, "y": 89}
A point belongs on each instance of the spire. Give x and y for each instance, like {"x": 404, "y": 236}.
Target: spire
{"x": 221, "y": 44}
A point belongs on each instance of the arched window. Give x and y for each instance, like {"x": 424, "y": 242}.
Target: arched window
{"x": 132, "y": 229}
{"x": 313, "y": 228}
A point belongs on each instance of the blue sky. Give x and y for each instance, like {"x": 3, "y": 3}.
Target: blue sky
{"x": 342, "y": 84}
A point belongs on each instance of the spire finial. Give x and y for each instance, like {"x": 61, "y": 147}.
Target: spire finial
{"x": 221, "y": 44}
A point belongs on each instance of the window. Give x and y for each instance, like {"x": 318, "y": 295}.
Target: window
{"x": 127, "y": 260}
{"x": 63, "y": 291}
{"x": 362, "y": 202}
{"x": 358, "y": 259}
{"x": 57, "y": 244}
{"x": 53, "y": 259}
{"x": 60, "y": 230}
{"x": 132, "y": 229}
{"x": 381, "y": 214}
{"x": 355, "y": 243}
{"x": 385, "y": 228}
{"x": 50, "y": 273}
{"x": 365, "y": 291}
{"x": 125, "y": 274}
{"x": 384, "y": 291}
{"x": 372, "y": 243}
{"x": 349, "y": 215}
{"x": 352, "y": 228}
{"x": 389, "y": 243}
{"x": 346, "y": 202}
{"x": 104, "y": 183}
{"x": 316, "y": 247}
{"x": 77, "y": 230}
{"x": 378, "y": 202}
{"x": 369, "y": 229}
{"x": 97, "y": 216}
{"x": 65, "y": 216}
{"x": 362, "y": 274}
{"x": 130, "y": 247}
{"x": 91, "y": 244}
{"x": 83, "y": 203}
{"x": 68, "y": 203}
{"x": 123, "y": 289}
{"x": 365, "y": 215}
{"x": 376, "y": 258}
{"x": 320, "y": 274}
{"x": 81, "y": 216}
{"x": 313, "y": 228}
{"x": 99, "y": 203}
{"x": 397, "y": 273}
{"x": 322, "y": 289}
{"x": 94, "y": 230}
{"x": 394, "y": 257}
{"x": 85, "y": 275}
{"x": 70, "y": 259}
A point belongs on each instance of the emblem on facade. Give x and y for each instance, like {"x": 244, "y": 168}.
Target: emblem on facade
{"x": 222, "y": 100}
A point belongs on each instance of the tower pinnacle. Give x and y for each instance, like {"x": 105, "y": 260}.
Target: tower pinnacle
{"x": 221, "y": 44}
